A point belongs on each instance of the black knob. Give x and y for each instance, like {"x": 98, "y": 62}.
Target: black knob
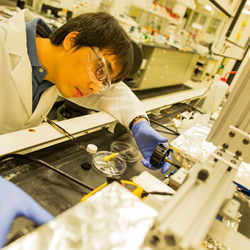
{"x": 86, "y": 166}
{"x": 203, "y": 175}
{"x": 159, "y": 155}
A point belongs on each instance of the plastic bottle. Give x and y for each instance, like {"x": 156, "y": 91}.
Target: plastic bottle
{"x": 91, "y": 150}
{"x": 215, "y": 95}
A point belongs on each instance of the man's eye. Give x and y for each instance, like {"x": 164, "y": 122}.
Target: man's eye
{"x": 100, "y": 73}
{"x": 99, "y": 64}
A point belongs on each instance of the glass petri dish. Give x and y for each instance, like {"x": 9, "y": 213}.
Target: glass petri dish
{"x": 113, "y": 168}
{"x": 127, "y": 151}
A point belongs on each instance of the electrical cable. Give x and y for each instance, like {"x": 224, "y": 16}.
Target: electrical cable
{"x": 165, "y": 127}
{"x": 45, "y": 164}
{"x": 164, "y": 131}
{"x": 201, "y": 98}
{"x": 172, "y": 163}
{"x": 159, "y": 193}
{"x": 171, "y": 173}
{"x": 145, "y": 193}
{"x": 196, "y": 109}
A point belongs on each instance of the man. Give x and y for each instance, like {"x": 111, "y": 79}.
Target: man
{"x": 85, "y": 61}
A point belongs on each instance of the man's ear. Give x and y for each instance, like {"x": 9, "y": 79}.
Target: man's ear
{"x": 69, "y": 40}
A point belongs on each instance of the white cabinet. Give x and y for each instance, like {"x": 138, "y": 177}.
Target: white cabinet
{"x": 230, "y": 6}
{"x": 241, "y": 30}
{"x": 228, "y": 49}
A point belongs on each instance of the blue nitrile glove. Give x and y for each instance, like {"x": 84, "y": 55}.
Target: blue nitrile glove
{"x": 14, "y": 203}
{"x": 147, "y": 140}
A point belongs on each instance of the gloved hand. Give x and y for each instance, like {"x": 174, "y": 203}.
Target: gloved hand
{"x": 147, "y": 140}
{"x": 14, "y": 203}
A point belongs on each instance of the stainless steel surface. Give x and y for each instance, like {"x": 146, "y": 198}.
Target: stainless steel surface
{"x": 111, "y": 219}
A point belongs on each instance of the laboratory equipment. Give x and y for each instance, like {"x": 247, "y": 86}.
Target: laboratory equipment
{"x": 160, "y": 155}
{"x": 197, "y": 180}
{"x": 187, "y": 218}
{"x": 128, "y": 151}
{"x": 173, "y": 229}
{"x": 115, "y": 167}
{"x": 88, "y": 224}
{"x": 130, "y": 185}
{"x": 91, "y": 149}
{"x": 163, "y": 67}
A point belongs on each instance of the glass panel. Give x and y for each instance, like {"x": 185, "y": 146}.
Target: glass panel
{"x": 213, "y": 26}
{"x": 203, "y": 20}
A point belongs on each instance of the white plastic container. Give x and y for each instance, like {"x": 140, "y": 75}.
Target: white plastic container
{"x": 215, "y": 95}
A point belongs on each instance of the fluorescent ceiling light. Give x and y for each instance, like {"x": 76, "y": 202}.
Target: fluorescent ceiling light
{"x": 208, "y": 7}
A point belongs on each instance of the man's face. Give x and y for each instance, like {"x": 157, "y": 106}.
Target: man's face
{"x": 79, "y": 73}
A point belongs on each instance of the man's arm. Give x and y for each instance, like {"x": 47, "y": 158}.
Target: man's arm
{"x": 120, "y": 102}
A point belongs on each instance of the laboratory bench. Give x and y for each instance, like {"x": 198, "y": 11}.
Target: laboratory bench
{"x": 56, "y": 193}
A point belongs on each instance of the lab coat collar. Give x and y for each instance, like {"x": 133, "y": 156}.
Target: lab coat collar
{"x": 16, "y": 36}
{"x": 16, "y": 47}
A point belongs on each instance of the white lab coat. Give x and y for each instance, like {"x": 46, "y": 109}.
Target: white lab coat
{"x": 16, "y": 85}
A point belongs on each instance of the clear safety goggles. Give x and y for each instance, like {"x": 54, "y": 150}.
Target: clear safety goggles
{"x": 98, "y": 69}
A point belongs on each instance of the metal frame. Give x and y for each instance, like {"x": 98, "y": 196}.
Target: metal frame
{"x": 232, "y": 129}
{"x": 188, "y": 216}
{"x": 185, "y": 221}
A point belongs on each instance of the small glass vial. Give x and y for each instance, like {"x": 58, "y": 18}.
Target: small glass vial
{"x": 91, "y": 151}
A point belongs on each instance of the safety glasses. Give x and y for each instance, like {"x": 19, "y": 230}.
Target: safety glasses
{"x": 98, "y": 69}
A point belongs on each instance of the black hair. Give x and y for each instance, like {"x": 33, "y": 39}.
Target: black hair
{"x": 99, "y": 30}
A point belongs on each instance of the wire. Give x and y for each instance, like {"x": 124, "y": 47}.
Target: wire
{"x": 62, "y": 131}
{"x": 196, "y": 109}
{"x": 172, "y": 163}
{"x": 171, "y": 173}
{"x": 165, "y": 127}
{"x": 159, "y": 193}
{"x": 45, "y": 164}
{"x": 145, "y": 193}
{"x": 164, "y": 131}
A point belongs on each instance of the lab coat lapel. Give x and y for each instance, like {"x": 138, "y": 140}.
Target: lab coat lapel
{"x": 45, "y": 104}
{"x": 21, "y": 70}
{"x": 22, "y": 77}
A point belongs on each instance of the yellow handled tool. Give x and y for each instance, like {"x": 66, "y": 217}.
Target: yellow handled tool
{"x": 131, "y": 186}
